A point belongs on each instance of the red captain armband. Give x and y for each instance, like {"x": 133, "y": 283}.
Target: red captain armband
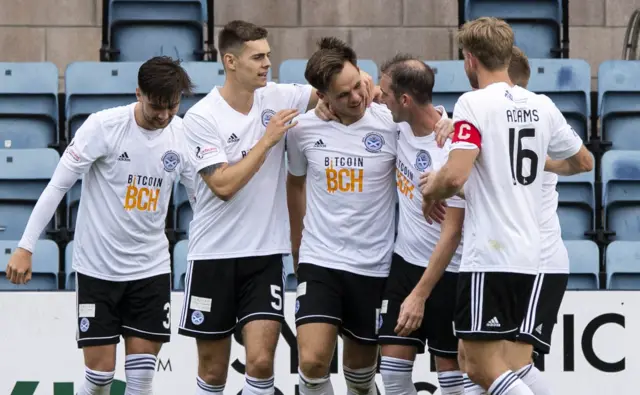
{"x": 465, "y": 132}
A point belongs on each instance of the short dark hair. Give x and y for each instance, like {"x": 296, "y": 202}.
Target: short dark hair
{"x": 519, "y": 69}
{"x": 411, "y": 76}
{"x": 328, "y": 61}
{"x": 163, "y": 79}
{"x": 235, "y": 33}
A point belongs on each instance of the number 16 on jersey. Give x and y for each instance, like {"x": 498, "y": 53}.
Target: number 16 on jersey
{"x": 517, "y": 155}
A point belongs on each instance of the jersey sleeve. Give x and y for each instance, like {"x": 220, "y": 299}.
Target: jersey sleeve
{"x": 564, "y": 141}
{"x": 466, "y": 132}
{"x": 296, "y": 160}
{"x": 297, "y": 95}
{"x": 453, "y": 201}
{"x": 88, "y": 145}
{"x": 205, "y": 146}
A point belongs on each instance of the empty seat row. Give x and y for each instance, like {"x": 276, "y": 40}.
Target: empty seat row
{"x": 141, "y": 29}
{"x": 536, "y": 24}
{"x": 622, "y": 266}
{"x": 29, "y": 104}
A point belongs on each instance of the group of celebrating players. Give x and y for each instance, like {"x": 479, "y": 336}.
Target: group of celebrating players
{"x": 483, "y": 306}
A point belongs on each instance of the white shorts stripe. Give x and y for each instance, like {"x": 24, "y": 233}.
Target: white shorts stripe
{"x": 187, "y": 294}
{"x": 530, "y": 318}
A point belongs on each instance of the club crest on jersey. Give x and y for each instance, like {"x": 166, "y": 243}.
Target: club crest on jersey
{"x": 423, "y": 160}
{"x": 170, "y": 160}
{"x": 266, "y": 116}
{"x": 373, "y": 142}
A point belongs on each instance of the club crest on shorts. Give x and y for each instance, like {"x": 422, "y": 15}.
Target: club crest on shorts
{"x": 423, "y": 160}
{"x": 297, "y": 306}
{"x": 266, "y": 116}
{"x": 380, "y": 321}
{"x": 170, "y": 160}
{"x": 84, "y": 325}
{"x": 373, "y": 142}
{"x": 197, "y": 318}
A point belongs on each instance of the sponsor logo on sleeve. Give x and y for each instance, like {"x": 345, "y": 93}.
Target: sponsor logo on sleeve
{"x": 202, "y": 153}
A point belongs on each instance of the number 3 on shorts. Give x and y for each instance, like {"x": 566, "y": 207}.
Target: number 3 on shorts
{"x": 276, "y": 293}
{"x": 167, "y": 323}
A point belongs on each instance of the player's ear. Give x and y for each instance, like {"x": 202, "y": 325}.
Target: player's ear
{"x": 321, "y": 96}
{"x": 139, "y": 95}
{"x": 229, "y": 60}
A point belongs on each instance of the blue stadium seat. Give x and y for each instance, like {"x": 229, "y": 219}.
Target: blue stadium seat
{"x": 28, "y": 105}
{"x": 205, "y": 76}
{"x": 182, "y": 213}
{"x": 536, "y": 24}
{"x": 142, "y": 29}
{"x": 576, "y": 204}
{"x": 45, "y": 261}
{"x": 24, "y": 174}
{"x": 619, "y": 103}
{"x": 290, "y": 282}
{"x": 451, "y": 82}
{"x": 180, "y": 264}
{"x": 95, "y": 86}
{"x": 291, "y": 71}
{"x": 70, "y": 274}
{"x": 568, "y": 83}
{"x": 621, "y": 193}
{"x": 584, "y": 261}
{"x": 622, "y": 262}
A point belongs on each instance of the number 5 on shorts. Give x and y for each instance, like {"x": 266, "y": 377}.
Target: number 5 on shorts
{"x": 276, "y": 293}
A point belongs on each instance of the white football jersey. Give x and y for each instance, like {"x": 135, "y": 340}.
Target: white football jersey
{"x": 255, "y": 221}
{"x": 554, "y": 257}
{"x": 129, "y": 173}
{"x": 350, "y": 185}
{"x": 514, "y": 129}
{"x": 417, "y": 238}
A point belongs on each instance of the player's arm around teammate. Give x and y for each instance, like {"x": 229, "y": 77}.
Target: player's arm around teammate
{"x": 226, "y": 180}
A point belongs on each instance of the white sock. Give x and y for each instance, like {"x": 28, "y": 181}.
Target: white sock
{"x": 360, "y": 381}
{"x": 254, "y": 386}
{"x": 451, "y": 383}
{"x": 307, "y": 386}
{"x": 396, "y": 376}
{"x": 208, "y": 389}
{"x": 509, "y": 384}
{"x": 471, "y": 388}
{"x": 96, "y": 383}
{"x": 534, "y": 379}
{"x": 139, "y": 370}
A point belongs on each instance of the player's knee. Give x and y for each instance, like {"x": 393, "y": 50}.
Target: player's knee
{"x": 212, "y": 371}
{"x": 313, "y": 365}
{"x": 100, "y": 358}
{"x": 446, "y": 364}
{"x": 260, "y": 365}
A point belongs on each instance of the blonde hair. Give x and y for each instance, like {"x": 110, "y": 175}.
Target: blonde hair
{"x": 519, "y": 69}
{"x": 489, "y": 39}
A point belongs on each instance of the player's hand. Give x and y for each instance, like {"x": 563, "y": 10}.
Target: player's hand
{"x": 323, "y": 111}
{"x": 279, "y": 124}
{"x": 411, "y": 314}
{"x": 377, "y": 94}
{"x": 436, "y": 211}
{"x": 19, "y": 267}
{"x": 369, "y": 87}
{"x": 444, "y": 128}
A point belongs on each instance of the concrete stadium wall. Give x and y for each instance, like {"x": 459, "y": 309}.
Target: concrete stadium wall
{"x": 63, "y": 31}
